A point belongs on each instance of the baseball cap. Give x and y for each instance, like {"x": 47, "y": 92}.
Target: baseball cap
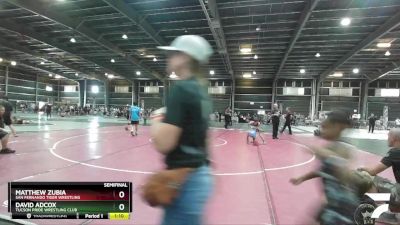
{"x": 193, "y": 45}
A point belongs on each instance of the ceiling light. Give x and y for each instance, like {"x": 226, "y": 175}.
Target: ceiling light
{"x": 302, "y": 71}
{"x": 124, "y": 36}
{"x": 105, "y": 74}
{"x": 57, "y": 76}
{"x": 337, "y": 74}
{"x": 186, "y": 30}
{"x": 356, "y": 70}
{"x": 212, "y": 72}
{"x": 383, "y": 45}
{"x": 76, "y": 74}
{"x": 95, "y": 89}
{"x": 112, "y": 60}
{"x": 247, "y": 75}
{"x": 254, "y": 72}
{"x": 72, "y": 40}
{"x": 50, "y": 75}
{"x": 41, "y": 63}
{"x": 1, "y": 59}
{"x": 49, "y": 88}
{"x": 245, "y": 48}
{"x": 142, "y": 53}
{"x": 255, "y": 56}
{"x": 110, "y": 76}
{"x": 154, "y": 59}
{"x": 258, "y": 28}
{"x": 173, "y": 75}
{"x": 345, "y": 21}
{"x": 138, "y": 73}
{"x": 317, "y": 55}
{"x": 13, "y": 63}
{"x": 387, "y": 53}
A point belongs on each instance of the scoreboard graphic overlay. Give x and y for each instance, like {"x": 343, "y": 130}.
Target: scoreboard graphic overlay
{"x": 70, "y": 200}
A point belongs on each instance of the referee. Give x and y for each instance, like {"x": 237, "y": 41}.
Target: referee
{"x": 275, "y": 116}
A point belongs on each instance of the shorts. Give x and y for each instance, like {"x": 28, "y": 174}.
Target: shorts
{"x": 7, "y": 118}
{"x": 3, "y": 134}
{"x": 134, "y": 122}
{"x": 252, "y": 133}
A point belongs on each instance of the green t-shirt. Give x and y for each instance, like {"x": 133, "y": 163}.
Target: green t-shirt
{"x": 188, "y": 107}
{"x": 7, "y": 105}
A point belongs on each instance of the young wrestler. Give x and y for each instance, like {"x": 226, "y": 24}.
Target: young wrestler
{"x": 341, "y": 196}
{"x": 254, "y": 131}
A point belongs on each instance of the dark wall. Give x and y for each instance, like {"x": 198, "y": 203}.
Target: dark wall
{"x": 258, "y": 91}
{"x": 22, "y": 86}
{"x": 350, "y": 103}
{"x": 375, "y": 104}
{"x": 91, "y": 97}
{"x": 150, "y": 100}
{"x": 298, "y": 104}
{"x": 221, "y": 101}
{"x": 120, "y": 99}
{"x": 70, "y": 98}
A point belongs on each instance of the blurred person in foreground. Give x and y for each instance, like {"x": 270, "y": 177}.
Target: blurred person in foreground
{"x": 341, "y": 196}
{"x": 182, "y": 134}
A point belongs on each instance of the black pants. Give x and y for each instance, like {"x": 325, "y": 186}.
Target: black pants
{"x": 227, "y": 121}
{"x": 287, "y": 125}
{"x": 275, "y": 127}
{"x": 7, "y": 118}
{"x": 371, "y": 127}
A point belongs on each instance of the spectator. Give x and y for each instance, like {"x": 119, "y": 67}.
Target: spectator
{"x": 397, "y": 122}
{"x": 392, "y": 159}
{"x": 4, "y": 135}
{"x": 372, "y": 119}
{"x": 47, "y": 109}
{"x": 288, "y": 121}
{"x": 228, "y": 116}
{"x": 7, "y": 114}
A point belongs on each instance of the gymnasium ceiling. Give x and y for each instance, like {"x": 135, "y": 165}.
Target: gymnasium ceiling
{"x": 285, "y": 35}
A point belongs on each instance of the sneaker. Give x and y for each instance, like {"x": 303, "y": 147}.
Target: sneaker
{"x": 7, "y": 151}
{"x": 132, "y": 133}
